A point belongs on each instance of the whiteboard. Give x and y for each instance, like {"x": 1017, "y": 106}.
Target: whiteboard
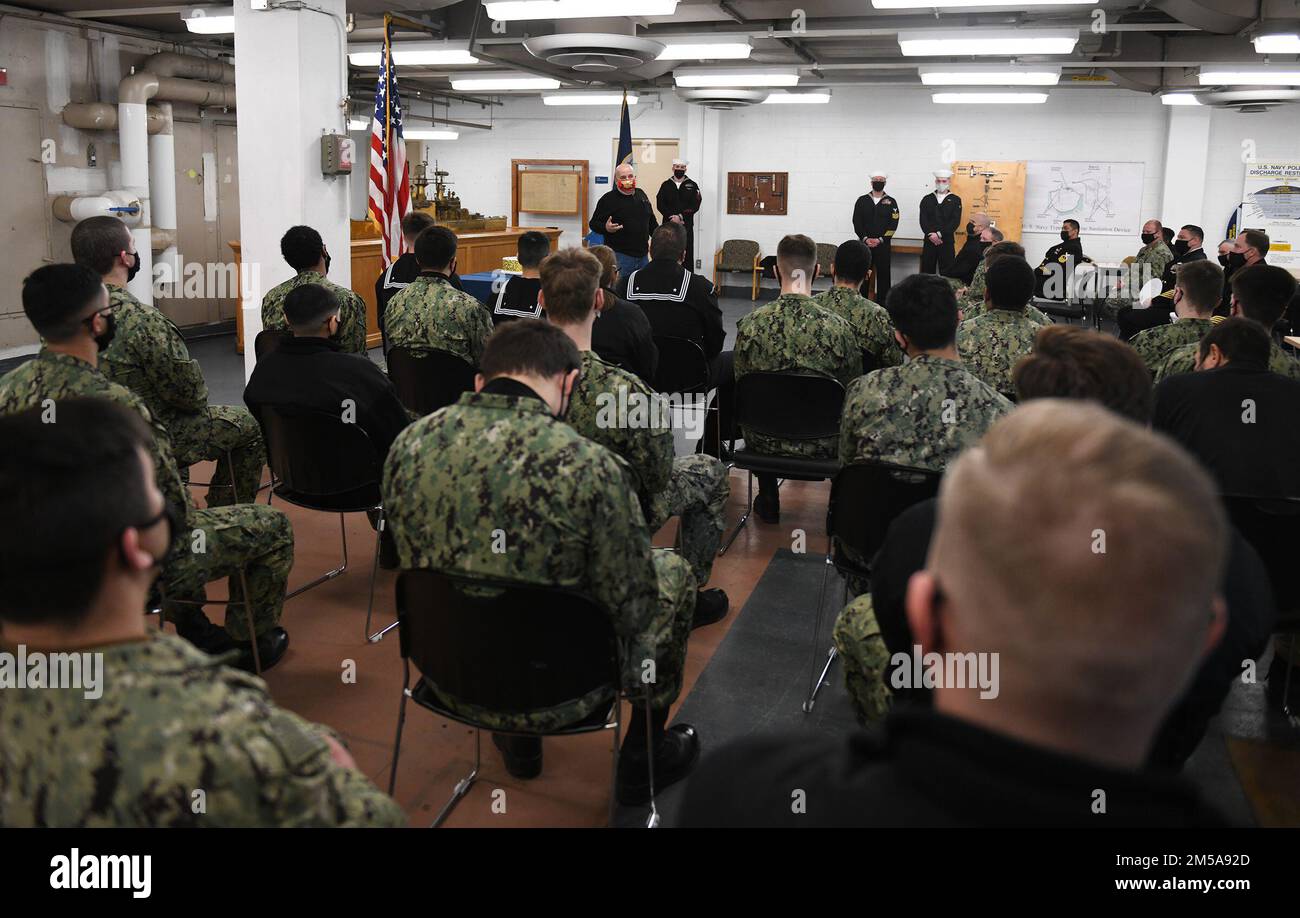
{"x": 1106, "y": 198}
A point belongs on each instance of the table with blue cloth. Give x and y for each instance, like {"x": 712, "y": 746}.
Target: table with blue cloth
{"x": 479, "y": 285}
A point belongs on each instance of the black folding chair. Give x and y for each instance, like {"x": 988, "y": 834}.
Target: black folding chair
{"x": 1272, "y": 527}
{"x": 268, "y": 341}
{"x": 865, "y": 498}
{"x": 427, "y": 379}
{"x": 684, "y": 370}
{"x": 786, "y": 405}
{"x": 321, "y": 462}
{"x": 558, "y": 646}
{"x": 869, "y": 362}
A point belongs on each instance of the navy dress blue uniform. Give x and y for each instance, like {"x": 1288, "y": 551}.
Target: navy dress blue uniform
{"x": 942, "y": 217}
{"x": 877, "y": 219}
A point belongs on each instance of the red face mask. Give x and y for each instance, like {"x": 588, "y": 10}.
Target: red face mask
{"x": 627, "y": 183}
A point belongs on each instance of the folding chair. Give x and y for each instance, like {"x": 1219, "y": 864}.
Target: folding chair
{"x": 427, "y": 379}
{"x": 268, "y": 341}
{"x": 684, "y": 370}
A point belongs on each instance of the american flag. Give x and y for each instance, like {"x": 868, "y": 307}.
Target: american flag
{"x": 390, "y": 189}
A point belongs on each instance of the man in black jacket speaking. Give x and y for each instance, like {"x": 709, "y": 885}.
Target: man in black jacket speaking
{"x": 626, "y": 220}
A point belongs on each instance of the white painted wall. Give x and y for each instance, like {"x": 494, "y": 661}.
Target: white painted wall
{"x": 1273, "y": 135}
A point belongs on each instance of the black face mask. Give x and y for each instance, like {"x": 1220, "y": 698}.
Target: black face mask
{"x": 1180, "y": 248}
{"x": 132, "y": 271}
{"x": 327, "y": 262}
{"x": 1065, "y": 235}
{"x": 1148, "y": 238}
{"x": 102, "y": 341}
{"x": 1235, "y": 260}
{"x": 567, "y": 403}
{"x": 173, "y": 518}
{"x": 877, "y": 186}
{"x": 970, "y": 229}
{"x": 1223, "y": 260}
{"x": 679, "y": 173}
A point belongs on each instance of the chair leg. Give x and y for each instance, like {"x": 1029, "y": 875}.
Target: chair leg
{"x": 618, "y": 745}
{"x": 464, "y": 784}
{"x": 1286, "y": 683}
{"x": 749, "y": 507}
{"x": 652, "y": 821}
{"x": 374, "y": 572}
{"x": 252, "y": 632}
{"x": 815, "y": 682}
{"x": 401, "y": 719}
{"x": 328, "y": 575}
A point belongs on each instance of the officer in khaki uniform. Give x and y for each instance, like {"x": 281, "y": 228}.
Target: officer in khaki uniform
{"x": 869, "y": 320}
{"x": 430, "y": 313}
{"x": 992, "y": 343}
{"x": 157, "y": 733}
{"x": 68, "y": 306}
{"x": 498, "y": 486}
{"x": 304, "y": 250}
{"x": 149, "y": 357}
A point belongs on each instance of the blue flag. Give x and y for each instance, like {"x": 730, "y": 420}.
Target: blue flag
{"x": 624, "y": 136}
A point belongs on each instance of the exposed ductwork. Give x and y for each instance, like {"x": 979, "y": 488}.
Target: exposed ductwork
{"x": 102, "y": 116}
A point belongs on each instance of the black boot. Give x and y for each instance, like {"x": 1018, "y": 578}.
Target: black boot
{"x": 710, "y": 606}
{"x": 675, "y": 753}
{"x": 522, "y": 754}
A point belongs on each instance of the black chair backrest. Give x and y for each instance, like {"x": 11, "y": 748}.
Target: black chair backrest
{"x": 428, "y": 379}
{"x": 268, "y": 341}
{"x": 682, "y": 365}
{"x": 789, "y": 405}
{"x": 1272, "y": 527}
{"x": 319, "y": 458}
{"x": 869, "y": 362}
{"x": 521, "y": 649}
{"x": 867, "y": 496}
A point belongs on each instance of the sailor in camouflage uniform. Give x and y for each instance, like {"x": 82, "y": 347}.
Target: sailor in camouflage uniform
{"x": 793, "y": 333}
{"x": 619, "y": 411}
{"x": 69, "y": 308}
{"x": 1195, "y": 295}
{"x": 869, "y": 320}
{"x": 304, "y": 250}
{"x": 156, "y": 733}
{"x": 498, "y": 486}
{"x": 922, "y": 415}
{"x": 149, "y": 357}
{"x": 1151, "y": 261}
{"x": 991, "y": 344}
{"x": 429, "y": 312}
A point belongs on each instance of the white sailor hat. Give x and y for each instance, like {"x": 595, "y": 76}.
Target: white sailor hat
{"x": 943, "y": 173}
{"x": 680, "y": 162}
{"x": 877, "y": 173}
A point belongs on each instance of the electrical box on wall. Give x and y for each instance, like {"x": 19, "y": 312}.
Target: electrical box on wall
{"x": 336, "y": 154}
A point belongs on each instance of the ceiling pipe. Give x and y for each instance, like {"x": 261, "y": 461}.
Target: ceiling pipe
{"x": 102, "y": 116}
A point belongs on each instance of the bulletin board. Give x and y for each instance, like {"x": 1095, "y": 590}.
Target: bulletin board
{"x": 548, "y": 186}
{"x": 996, "y": 188}
{"x": 761, "y": 193}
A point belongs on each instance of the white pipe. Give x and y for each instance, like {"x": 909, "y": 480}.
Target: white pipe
{"x": 133, "y": 140}
{"x": 109, "y": 204}
{"x": 162, "y": 185}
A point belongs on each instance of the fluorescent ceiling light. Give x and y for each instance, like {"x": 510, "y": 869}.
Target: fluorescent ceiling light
{"x": 1180, "y": 98}
{"x": 586, "y": 98}
{"x": 489, "y": 81}
{"x": 977, "y": 75}
{"x": 1277, "y": 44}
{"x": 1250, "y": 76}
{"x": 799, "y": 98}
{"x": 426, "y": 53}
{"x": 989, "y": 98}
{"x": 720, "y": 79}
{"x": 706, "y": 51}
{"x": 210, "y": 20}
{"x": 513, "y": 10}
{"x": 955, "y": 4}
{"x": 429, "y": 134}
{"x": 932, "y": 42}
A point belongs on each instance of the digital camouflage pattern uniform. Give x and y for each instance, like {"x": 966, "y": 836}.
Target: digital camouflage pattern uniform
{"x": 869, "y": 320}
{"x": 993, "y": 343}
{"x": 149, "y": 357}
{"x": 430, "y": 313}
{"x": 922, "y": 415}
{"x": 1032, "y": 312}
{"x": 794, "y": 333}
{"x": 1154, "y": 345}
{"x": 974, "y": 294}
{"x": 173, "y": 721}
{"x": 496, "y": 487}
{"x": 1183, "y": 360}
{"x": 352, "y": 309}
{"x": 692, "y": 487}
{"x": 253, "y": 537}
{"x": 1157, "y": 256}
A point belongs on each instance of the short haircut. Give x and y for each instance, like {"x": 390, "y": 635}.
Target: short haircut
{"x": 852, "y": 260}
{"x": 532, "y": 248}
{"x": 1004, "y": 248}
{"x": 302, "y": 247}
{"x": 435, "y": 248}
{"x": 570, "y": 279}
{"x": 1202, "y": 283}
{"x": 97, "y": 241}
{"x": 528, "y": 347}
{"x": 608, "y": 264}
{"x": 414, "y": 223}
{"x": 998, "y": 235}
{"x": 797, "y": 252}
{"x": 1264, "y": 292}
{"x": 1257, "y": 240}
{"x": 1073, "y": 362}
{"x": 1194, "y": 231}
{"x": 1074, "y": 223}
{"x": 1010, "y": 282}
{"x": 67, "y": 491}
{"x": 923, "y": 307}
{"x": 308, "y": 306}
{"x": 1240, "y": 340}
{"x": 668, "y": 241}
{"x": 1168, "y": 234}
{"x": 57, "y": 298}
{"x": 1020, "y": 518}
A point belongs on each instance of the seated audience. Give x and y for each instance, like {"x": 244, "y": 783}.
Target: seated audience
{"x": 622, "y": 334}
{"x": 68, "y": 307}
{"x": 794, "y": 334}
{"x": 991, "y": 343}
{"x": 1150, "y": 262}
{"x": 149, "y": 357}
{"x": 972, "y": 299}
{"x": 869, "y": 320}
{"x": 1196, "y": 291}
{"x": 1249, "y": 248}
{"x": 304, "y": 250}
{"x": 155, "y": 722}
{"x": 568, "y": 518}
{"x": 517, "y": 298}
{"x": 432, "y": 314}
{"x": 1186, "y": 248}
{"x": 962, "y": 268}
{"x": 405, "y": 269}
{"x": 1054, "y": 271}
{"x": 1049, "y": 729}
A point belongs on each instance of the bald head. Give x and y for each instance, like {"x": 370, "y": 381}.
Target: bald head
{"x": 624, "y": 178}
